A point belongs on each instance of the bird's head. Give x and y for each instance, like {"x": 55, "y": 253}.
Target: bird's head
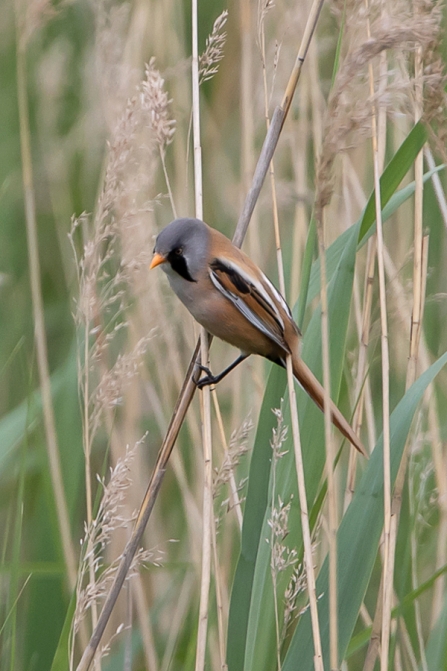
{"x": 182, "y": 246}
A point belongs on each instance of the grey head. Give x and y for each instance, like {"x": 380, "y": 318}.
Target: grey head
{"x": 184, "y": 244}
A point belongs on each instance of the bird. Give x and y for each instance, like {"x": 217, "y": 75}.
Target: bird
{"x": 234, "y": 300}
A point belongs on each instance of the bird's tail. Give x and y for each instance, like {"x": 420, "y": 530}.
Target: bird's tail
{"x": 312, "y": 386}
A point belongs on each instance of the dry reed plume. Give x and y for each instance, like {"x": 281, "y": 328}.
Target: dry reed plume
{"x": 348, "y": 116}
{"x": 111, "y": 516}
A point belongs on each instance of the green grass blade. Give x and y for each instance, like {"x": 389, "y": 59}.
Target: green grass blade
{"x": 62, "y": 653}
{"x": 358, "y": 537}
{"x": 306, "y": 272}
{"x": 436, "y": 651}
{"x": 394, "y": 173}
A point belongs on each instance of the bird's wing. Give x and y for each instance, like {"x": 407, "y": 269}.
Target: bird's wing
{"x": 250, "y": 297}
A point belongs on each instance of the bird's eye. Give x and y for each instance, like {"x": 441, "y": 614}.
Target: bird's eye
{"x": 178, "y": 251}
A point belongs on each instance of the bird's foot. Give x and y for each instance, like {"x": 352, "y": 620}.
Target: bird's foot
{"x": 208, "y": 379}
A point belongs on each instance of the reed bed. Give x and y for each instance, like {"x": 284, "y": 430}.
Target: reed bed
{"x": 248, "y": 561}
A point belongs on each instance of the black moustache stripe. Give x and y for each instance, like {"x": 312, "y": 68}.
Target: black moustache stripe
{"x": 178, "y": 263}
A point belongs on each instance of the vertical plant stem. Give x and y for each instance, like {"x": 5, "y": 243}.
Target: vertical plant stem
{"x": 206, "y": 394}
{"x": 308, "y": 558}
{"x": 38, "y": 311}
{"x": 207, "y": 515}
{"x": 248, "y": 75}
{"x": 87, "y": 467}
{"x": 87, "y": 443}
{"x": 219, "y": 596}
{"x": 316, "y": 100}
{"x": 86, "y": 418}
{"x": 418, "y": 282}
{"x": 420, "y": 256}
{"x": 198, "y": 196}
{"x": 330, "y": 451}
{"x": 388, "y": 550}
{"x": 247, "y": 119}
{"x": 300, "y": 161}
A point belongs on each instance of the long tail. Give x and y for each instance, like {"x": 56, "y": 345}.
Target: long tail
{"x": 315, "y": 390}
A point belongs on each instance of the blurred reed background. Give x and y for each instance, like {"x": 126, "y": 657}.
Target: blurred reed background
{"x": 95, "y": 139}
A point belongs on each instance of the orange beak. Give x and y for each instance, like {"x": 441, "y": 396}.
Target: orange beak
{"x": 157, "y": 260}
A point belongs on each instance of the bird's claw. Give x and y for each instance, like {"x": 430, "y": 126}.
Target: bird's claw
{"x": 207, "y": 380}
